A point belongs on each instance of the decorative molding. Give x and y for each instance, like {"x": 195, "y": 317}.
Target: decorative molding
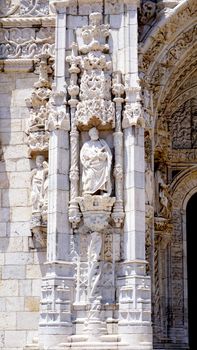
{"x": 27, "y": 22}
{"x": 20, "y": 65}
{"x": 182, "y": 185}
{"x": 26, "y": 42}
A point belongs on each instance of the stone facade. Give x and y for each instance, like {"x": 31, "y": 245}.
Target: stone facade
{"x": 97, "y": 165}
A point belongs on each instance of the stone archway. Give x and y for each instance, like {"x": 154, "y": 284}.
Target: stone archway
{"x": 169, "y": 79}
{"x": 191, "y": 273}
{"x": 184, "y": 187}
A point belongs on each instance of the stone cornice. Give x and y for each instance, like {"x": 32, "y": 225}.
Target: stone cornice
{"x": 16, "y": 65}
{"x": 60, "y": 6}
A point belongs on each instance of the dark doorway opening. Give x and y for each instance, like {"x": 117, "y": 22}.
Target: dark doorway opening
{"x": 191, "y": 219}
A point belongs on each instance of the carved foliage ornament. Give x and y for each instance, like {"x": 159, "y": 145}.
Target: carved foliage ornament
{"x": 26, "y": 43}
{"x": 24, "y": 8}
{"x": 95, "y": 107}
{"x": 37, "y": 104}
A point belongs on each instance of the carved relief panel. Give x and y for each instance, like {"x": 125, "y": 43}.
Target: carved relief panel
{"x": 184, "y": 126}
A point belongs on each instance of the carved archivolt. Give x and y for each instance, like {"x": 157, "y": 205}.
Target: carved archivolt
{"x": 184, "y": 185}
{"x": 166, "y": 32}
{"x": 164, "y": 55}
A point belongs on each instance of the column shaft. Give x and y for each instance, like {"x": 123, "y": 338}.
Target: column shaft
{"x": 58, "y": 225}
{"x": 134, "y": 196}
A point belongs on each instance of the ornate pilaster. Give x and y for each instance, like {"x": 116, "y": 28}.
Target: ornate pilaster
{"x": 57, "y": 287}
{"x": 96, "y": 184}
{"x": 73, "y": 90}
{"x": 134, "y": 286}
{"x": 58, "y": 284}
{"x": 118, "y": 91}
{"x": 162, "y": 277}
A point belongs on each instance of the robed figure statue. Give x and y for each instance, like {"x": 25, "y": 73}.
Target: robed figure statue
{"x": 96, "y": 159}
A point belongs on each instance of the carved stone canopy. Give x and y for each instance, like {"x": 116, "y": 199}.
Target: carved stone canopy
{"x": 99, "y": 114}
{"x": 95, "y": 107}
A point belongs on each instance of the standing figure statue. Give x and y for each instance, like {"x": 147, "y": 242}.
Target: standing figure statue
{"x": 162, "y": 192}
{"x": 96, "y": 159}
{"x": 149, "y": 181}
{"x": 38, "y": 181}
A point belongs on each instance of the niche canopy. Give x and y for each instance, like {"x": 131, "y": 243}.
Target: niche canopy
{"x": 95, "y": 107}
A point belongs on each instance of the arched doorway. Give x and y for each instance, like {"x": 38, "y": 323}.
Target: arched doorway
{"x": 191, "y": 221}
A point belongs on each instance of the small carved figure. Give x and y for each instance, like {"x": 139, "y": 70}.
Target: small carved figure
{"x": 39, "y": 180}
{"x": 162, "y": 192}
{"x": 94, "y": 271}
{"x": 96, "y": 159}
{"x": 149, "y": 181}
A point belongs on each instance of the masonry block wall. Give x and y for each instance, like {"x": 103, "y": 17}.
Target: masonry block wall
{"x": 21, "y": 267}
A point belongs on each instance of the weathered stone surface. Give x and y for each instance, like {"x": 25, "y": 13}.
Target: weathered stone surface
{"x": 95, "y": 281}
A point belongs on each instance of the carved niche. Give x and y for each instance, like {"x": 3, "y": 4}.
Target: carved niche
{"x": 39, "y": 199}
{"x": 92, "y": 108}
{"x": 38, "y": 142}
{"x": 95, "y": 214}
{"x": 38, "y": 108}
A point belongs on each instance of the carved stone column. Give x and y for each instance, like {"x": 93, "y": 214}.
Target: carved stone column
{"x": 73, "y": 90}
{"x": 57, "y": 286}
{"x": 118, "y": 212}
{"x": 134, "y": 285}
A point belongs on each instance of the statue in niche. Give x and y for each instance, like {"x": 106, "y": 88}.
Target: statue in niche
{"x": 149, "y": 181}
{"x": 96, "y": 159}
{"x": 39, "y": 182}
{"x": 162, "y": 192}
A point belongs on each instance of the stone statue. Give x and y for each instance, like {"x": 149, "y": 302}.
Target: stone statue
{"x": 162, "y": 192}
{"x": 149, "y": 181}
{"x": 39, "y": 183}
{"x": 96, "y": 159}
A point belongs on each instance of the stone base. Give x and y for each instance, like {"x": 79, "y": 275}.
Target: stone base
{"x": 108, "y": 342}
{"x": 101, "y": 346}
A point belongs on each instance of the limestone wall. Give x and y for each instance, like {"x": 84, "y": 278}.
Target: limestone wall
{"x": 21, "y": 266}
